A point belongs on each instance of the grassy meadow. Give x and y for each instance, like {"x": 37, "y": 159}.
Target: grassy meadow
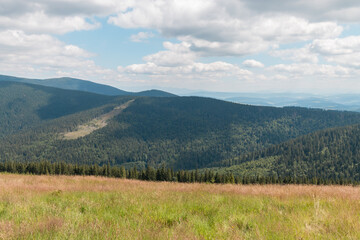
{"x": 75, "y": 207}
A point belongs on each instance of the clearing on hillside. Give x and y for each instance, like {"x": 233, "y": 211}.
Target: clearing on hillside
{"x": 95, "y": 124}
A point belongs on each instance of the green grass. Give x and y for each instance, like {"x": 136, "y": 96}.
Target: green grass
{"x": 50, "y": 207}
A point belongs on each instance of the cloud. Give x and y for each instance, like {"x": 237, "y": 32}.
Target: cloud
{"x": 175, "y": 55}
{"x": 210, "y": 76}
{"x": 41, "y": 55}
{"x": 343, "y": 51}
{"x": 316, "y": 78}
{"x": 215, "y": 28}
{"x": 195, "y": 68}
{"x": 178, "y": 59}
{"x": 304, "y": 54}
{"x": 253, "y": 63}
{"x": 38, "y": 22}
{"x": 141, "y": 36}
{"x": 298, "y": 70}
{"x": 54, "y": 17}
{"x": 204, "y": 30}
{"x": 337, "y": 46}
{"x": 322, "y": 10}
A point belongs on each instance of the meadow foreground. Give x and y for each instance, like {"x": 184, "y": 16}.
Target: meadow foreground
{"x": 73, "y": 207}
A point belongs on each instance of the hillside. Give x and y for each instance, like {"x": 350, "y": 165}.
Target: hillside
{"x": 24, "y": 106}
{"x": 327, "y": 154}
{"x": 86, "y": 86}
{"x": 180, "y": 132}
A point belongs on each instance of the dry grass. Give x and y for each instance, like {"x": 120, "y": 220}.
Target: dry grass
{"x": 75, "y": 207}
{"x": 44, "y": 183}
{"x": 95, "y": 124}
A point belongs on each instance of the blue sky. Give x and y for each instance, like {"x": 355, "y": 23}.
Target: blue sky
{"x": 112, "y": 45}
{"x": 229, "y": 46}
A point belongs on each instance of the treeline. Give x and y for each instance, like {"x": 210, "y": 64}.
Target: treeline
{"x": 160, "y": 174}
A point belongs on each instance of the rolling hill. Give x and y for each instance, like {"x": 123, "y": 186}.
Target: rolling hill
{"x": 180, "y": 132}
{"x": 86, "y": 86}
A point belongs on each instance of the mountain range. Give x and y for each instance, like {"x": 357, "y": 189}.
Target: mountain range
{"x": 86, "y": 86}
{"x": 342, "y": 102}
{"x": 41, "y": 123}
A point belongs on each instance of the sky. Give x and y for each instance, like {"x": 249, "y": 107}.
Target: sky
{"x": 210, "y": 45}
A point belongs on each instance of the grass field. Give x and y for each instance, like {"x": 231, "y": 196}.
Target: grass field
{"x": 69, "y": 207}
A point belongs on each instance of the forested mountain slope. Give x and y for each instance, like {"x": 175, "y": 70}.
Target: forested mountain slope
{"x": 327, "y": 154}
{"x": 181, "y": 132}
{"x": 26, "y": 105}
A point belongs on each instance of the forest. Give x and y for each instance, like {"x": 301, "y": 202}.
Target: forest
{"x": 181, "y": 133}
{"x": 329, "y": 154}
{"x": 161, "y": 174}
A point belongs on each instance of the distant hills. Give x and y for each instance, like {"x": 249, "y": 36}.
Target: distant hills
{"x": 347, "y": 102}
{"x": 342, "y": 102}
{"x": 86, "y": 86}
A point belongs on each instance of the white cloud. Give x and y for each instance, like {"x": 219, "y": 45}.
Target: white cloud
{"x": 194, "y": 68}
{"x": 38, "y": 22}
{"x": 141, "y": 36}
{"x": 253, "y": 63}
{"x": 210, "y": 76}
{"x": 175, "y": 55}
{"x": 298, "y": 70}
{"x": 307, "y": 77}
{"x": 304, "y": 54}
{"x": 337, "y": 46}
{"x": 179, "y": 60}
{"x": 42, "y": 55}
{"x": 215, "y": 28}
{"x": 342, "y": 51}
{"x": 321, "y": 10}
{"x": 204, "y": 28}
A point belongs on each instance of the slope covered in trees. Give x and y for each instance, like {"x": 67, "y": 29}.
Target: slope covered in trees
{"x": 332, "y": 154}
{"x": 180, "y": 132}
{"x": 24, "y": 106}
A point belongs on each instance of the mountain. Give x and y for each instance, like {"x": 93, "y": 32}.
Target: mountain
{"x": 70, "y": 84}
{"x": 180, "y": 132}
{"x": 27, "y": 105}
{"x": 86, "y": 86}
{"x": 153, "y": 93}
